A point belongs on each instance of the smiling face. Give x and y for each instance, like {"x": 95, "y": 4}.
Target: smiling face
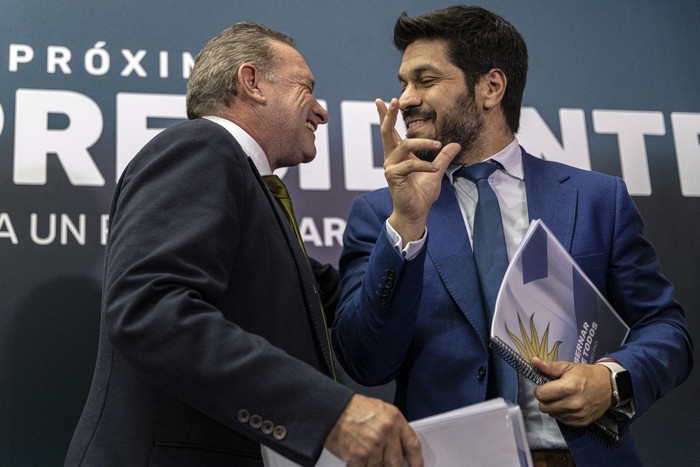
{"x": 293, "y": 112}
{"x": 435, "y": 102}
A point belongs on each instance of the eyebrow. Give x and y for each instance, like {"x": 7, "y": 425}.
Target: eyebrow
{"x": 419, "y": 70}
{"x": 308, "y": 81}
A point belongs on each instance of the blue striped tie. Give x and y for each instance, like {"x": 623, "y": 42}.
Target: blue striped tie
{"x": 491, "y": 258}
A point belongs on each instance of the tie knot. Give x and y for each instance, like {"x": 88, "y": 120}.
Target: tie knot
{"x": 479, "y": 171}
{"x": 277, "y": 188}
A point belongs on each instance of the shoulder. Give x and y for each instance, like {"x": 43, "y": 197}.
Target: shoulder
{"x": 535, "y": 168}
{"x": 200, "y": 131}
{"x": 192, "y": 142}
{"x": 188, "y": 153}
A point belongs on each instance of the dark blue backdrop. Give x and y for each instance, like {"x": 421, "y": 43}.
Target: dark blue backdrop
{"x": 612, "y": 86}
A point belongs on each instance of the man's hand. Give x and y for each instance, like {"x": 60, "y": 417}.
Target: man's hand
{"x": 414, "y": 183}
{"x": 580, "y": 394}
{"x": 371, "y": 432}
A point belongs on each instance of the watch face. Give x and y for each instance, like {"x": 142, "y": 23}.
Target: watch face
{"x": 623, "y": 381}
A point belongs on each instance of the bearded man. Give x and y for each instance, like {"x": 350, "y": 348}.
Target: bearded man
{"x": 416, "y": 296}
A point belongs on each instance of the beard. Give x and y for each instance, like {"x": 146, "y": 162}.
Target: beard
{"x": 460, "y": 123}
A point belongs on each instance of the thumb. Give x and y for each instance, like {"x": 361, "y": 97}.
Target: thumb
{"x": 553, "y": 369}
{"x": 446, "y": 155}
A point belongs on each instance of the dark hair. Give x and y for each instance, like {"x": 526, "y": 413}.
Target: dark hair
{"x": 212, "y": 83}
{"x": 477, "y": 40}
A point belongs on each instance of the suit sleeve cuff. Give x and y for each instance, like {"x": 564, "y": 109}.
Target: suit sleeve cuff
{"x": 412, "y": 249}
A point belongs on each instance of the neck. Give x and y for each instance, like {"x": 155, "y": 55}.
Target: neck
{"x": 253, "y": 123}
{"x": 484, "y": 148}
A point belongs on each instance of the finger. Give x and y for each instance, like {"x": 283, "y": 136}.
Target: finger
{"x": 558, "y": 369}
{"x": 446, "y": 156}
{"x": 540, "y": 364}
{"x": 376, "y": 459}
{"x": 388, "y": 123}
{"x": 411, "y": 447}
{"x": 406, "y": 149}
{"x": 391, "y": 111}
{"x": 381, "y": 109}
{"x": 393, "y": 452}
{"x": 553, "y": 369}
{"x": 548, "y": 393}
{"x": 408, "y": 167}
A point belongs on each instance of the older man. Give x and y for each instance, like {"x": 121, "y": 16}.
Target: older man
{"x": 213, "y": 338}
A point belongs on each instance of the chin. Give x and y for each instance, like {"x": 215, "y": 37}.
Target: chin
{"x": 308, "y": 157}
{"x": 414, "y": 134}
{"x": 427, "y": 155}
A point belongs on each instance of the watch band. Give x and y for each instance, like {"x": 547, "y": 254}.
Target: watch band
{"x": 622, "y": 392}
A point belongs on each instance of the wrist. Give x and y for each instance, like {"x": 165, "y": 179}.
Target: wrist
{"x": 408, "y": 230}
{"x": 620, "y": 382}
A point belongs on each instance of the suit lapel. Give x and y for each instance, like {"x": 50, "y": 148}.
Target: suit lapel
{"x": 550, "y": 198}
{"x": 311, "y": 297}
{"x": 450, "y": 251}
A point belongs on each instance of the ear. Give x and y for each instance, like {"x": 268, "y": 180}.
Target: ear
{"x": 248, "y": 83}
{"x": 493, "y": 87}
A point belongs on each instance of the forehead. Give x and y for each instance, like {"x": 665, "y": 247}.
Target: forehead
{"x": 291, "y": 61}
{"x": 426, "y": 55}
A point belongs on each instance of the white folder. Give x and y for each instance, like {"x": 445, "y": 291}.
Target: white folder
{"x": 487, "y": 434}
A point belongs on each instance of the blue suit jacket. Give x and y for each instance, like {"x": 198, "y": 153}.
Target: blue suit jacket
{"x": 420, "y": 322}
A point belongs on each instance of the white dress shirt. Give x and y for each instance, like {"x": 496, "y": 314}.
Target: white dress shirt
{"x": 249, "y": 145}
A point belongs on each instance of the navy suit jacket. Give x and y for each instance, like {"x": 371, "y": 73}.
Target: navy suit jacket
{"x": 420, "y": 321}
{"x": 210, "y": 319}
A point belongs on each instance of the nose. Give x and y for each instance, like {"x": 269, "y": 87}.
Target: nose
{"x": 409, "y": 98}
{"x": 320, "y": 113}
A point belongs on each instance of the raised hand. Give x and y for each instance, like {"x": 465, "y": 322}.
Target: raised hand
{"x": 414, "y": 184}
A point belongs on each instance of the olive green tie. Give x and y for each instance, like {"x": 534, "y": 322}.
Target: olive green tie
{"x": 279, "y": 191}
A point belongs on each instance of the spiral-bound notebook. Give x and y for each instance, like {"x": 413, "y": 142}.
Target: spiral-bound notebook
{"x": 548, "y": 308}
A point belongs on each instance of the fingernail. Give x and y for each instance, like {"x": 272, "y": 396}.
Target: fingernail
{"x": 437, "y": 144}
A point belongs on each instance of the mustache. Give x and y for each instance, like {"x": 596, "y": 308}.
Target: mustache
{"x": 426, "y": 155}
{"x": 418, "y": 112}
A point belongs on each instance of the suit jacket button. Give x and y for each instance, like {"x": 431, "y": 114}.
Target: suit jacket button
{"x": 267, "y": 427}
{"x": 481, "y": 373}
{"x": 243, "y": 416}
{"x": 279, "y": 432}
{"x": 255, "y": 421}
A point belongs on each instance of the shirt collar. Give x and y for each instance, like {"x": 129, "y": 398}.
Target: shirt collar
{"x": 249, "y": 145}
{"x": 509, "y": 158}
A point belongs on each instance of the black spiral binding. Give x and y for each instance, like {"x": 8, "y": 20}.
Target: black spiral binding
{"x": 597, "y": 430}
{"x": 517, "y": 361}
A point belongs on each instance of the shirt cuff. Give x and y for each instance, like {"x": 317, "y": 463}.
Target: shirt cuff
{"x": 412, "y": 249}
